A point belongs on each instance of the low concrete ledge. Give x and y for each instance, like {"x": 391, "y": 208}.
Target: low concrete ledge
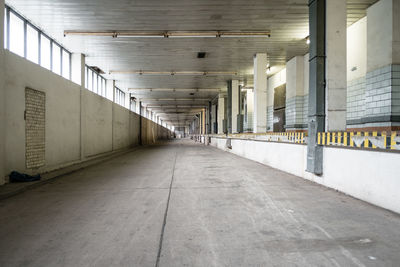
{"x": 367, "y": 174}
{"x": 10, "y": 189}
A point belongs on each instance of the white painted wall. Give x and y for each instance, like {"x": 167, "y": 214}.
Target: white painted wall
{"x": 106, "y": 126}
{"x": 295, "y": 77}
{"x": 98, "y": 127}
{"x": 62, "y": 113}
{"x": 357, "y": 50}
{"x": 380, "y": 34}
{"x": 371, "y": 176}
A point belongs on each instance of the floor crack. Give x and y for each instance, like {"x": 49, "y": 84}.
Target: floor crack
{"x": 166, "y": 212}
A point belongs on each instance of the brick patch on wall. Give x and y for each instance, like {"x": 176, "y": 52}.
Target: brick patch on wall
{"x": 35, "y": 110}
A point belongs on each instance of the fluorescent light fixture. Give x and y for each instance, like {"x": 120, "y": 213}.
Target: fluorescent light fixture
{"x": 175, "y": 99}
{"x": 264, "y": 34}
{"x": 193, "y": 73}
{"x": 174, "y": 89}
{"x": 172, "y": 34}
{"x": 184, "y": 34}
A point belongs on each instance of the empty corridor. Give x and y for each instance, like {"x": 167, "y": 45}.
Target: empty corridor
{"x": 184, "y": 204}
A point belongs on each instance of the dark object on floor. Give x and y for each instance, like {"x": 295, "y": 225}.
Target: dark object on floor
{"x": 16, "y": 177}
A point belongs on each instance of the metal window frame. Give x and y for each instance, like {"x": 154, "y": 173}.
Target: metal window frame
{"x": 26, "y": 22}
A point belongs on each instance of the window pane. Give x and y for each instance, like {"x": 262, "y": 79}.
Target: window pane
{"x": 65, "y": 65}
{"x": 32, "y": 44}
{"x": 16, "y": 35}
{"x": 5, "y": 27}
{"x": 44, "y": 51}
{"x": 90, "y": 78}
{"x": 56, "y": 59}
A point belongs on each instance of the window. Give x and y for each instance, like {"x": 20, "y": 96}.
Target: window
{"x": 56, "y": 66}
{"x": 17, "y": 35}
{"x": 119, "y": 97}
{"x": 95, "y": 82}
{"x": 26, "y": 40}
{"x": 66, "y": 63}
{"x": 45, "y": 51}
{"x": 32, "y": 41}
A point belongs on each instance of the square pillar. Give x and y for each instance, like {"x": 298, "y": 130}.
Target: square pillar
{"x": 316, "y": 108}
{"x": 78, "y": 74}
{"x": 221, "y": 113}
{"x": 260, "y": 93}
{"x": 235, "y": 105}
{"x": 336, "y": 67}
{"x": 296, "y": 98}
{"x": 213, "y": 119}
{"x": 248, "y": 127}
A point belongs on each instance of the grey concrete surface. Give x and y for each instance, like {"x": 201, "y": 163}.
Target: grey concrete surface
{"x": 223, "y": 211}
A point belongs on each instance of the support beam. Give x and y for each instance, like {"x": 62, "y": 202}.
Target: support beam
{"x": 260, "y": 93}
{"x": 316, "y": 117}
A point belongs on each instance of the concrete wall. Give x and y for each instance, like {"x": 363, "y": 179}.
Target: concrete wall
{"x": 371, "y": 176}
{"x": 2, "y": 95}
{"x": 357, "y": 50}
{"x": 106, "y": 126}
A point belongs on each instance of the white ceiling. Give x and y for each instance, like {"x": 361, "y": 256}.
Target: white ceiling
{"x": 286, "y": 19}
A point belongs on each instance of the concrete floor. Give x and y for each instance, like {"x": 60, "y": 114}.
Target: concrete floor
{"x": 222, "y": 211}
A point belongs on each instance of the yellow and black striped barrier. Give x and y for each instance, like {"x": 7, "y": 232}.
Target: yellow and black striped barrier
{"x": 287, "y": 137}
{"x": 381, "y": 140}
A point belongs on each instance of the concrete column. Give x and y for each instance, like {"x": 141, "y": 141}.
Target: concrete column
{"x": 316, "y": 111}
{"x": 336, "y": 67}
{"x": 383, "y": 66}
{"x": 78, "y": 76}
{"x": 110, "y": 85}
{"x": 213, "y": 118}
{"x": 260, "y": 93}
{"x": 235, "y": 105}
{"x": 295, "y": 96}
{"x": 250, "y": 111}
{"x": 2, "y": 97}
{"x": 221, "y": 113}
